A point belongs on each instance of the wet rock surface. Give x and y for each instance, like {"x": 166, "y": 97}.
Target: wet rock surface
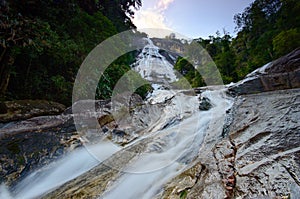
{"x": 154, "y": 117}
{"x": 205, "y": 104}
{"x": 29, "y": 144}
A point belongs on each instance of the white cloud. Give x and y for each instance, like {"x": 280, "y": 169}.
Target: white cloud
{"x": 153, "y": 17}
{"x": 150, "y": 19}
{"x": 163, "y": 4}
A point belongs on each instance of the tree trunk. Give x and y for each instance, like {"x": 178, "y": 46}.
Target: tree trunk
{"x": 5, "y": 63}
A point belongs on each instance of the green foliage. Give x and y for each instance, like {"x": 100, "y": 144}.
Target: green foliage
{"x": 121, "y": 69}
{"x": 44, "y": 43}
{"x": 190, "y": 75}
{"x": 267, "y": 29}
{"x": 221, "y": 51}
{"x": 183, "y": 194}
{"x": 286, "y": 41}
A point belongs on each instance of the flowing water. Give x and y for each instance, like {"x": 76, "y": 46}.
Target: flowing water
{"x": 49, "y": 177}
{"x": 175, "y": 141}
{"x": 154, "y": 67}
{"x": 169, "y": 154}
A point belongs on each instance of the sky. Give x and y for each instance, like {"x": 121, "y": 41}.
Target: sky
{"x": 190, "y": 18}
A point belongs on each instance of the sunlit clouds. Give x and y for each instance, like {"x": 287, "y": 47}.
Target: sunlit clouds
{"x": 192, "y": 18}
{"x": 153, "y": 17}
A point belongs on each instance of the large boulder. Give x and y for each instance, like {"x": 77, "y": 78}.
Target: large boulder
{"x": 283, "y": 73}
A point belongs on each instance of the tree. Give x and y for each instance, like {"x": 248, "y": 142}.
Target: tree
{"x": 286, "y": 41}
{"x": 43, "y": 43}
{"x": 267, "y": 29}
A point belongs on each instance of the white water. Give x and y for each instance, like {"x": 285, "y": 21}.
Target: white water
{"x": 168, "y": 154}
{"x": 57, "y": 173}
{"x": 152, "y": 66}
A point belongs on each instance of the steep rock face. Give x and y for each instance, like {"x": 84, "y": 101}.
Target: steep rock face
{"x": 174, "y": 45}
{"x": 171, "y": 49}
{"x": 283, "y": 73}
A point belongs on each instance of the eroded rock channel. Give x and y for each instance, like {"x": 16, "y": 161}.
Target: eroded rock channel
{"x": 238, "y": 141}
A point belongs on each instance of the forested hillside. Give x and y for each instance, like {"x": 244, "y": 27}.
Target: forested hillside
{"x": 43, "y": 43}
{"x": 266, "y": 30}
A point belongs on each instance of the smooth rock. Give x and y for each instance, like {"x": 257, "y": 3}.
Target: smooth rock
{"x": 265, "y": 134}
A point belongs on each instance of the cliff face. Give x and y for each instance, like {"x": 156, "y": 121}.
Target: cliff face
{"x": 265, "y": 136}
{"x": 265, "y": 131}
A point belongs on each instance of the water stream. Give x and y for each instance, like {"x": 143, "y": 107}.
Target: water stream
{"x": 168, "y": 153}
{"x": 57, "y": 173}
{"x": 154, "y": 67}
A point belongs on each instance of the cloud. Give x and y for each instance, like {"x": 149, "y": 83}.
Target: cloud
{"x": 162, "y": 5}
{"x": 150, "y": 19}
{"x": 153, "y": 17}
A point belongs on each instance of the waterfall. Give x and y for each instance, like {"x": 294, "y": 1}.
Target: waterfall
{"x": 170, "y": 149}
{"x": 174, "y": 142}
{"x": 55, "y": 174}
{"x": 152, "y": 66}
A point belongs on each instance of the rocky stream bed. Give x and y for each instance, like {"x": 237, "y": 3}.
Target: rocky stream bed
{"x": 250, "y": 149}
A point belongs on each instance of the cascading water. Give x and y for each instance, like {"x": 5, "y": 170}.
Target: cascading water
{"x": 154, "y": 67}
{"x": 168, "y": 154}
{"x": 174, "y": 141}
{"x": 49, "y": 177}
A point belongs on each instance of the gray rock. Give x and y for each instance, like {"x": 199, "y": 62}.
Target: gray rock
{"x": 259, "y": 158}
{"x": 265, "y": 137}
{"x": 29, "y": 144}
{"x": 205, "y": 104}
